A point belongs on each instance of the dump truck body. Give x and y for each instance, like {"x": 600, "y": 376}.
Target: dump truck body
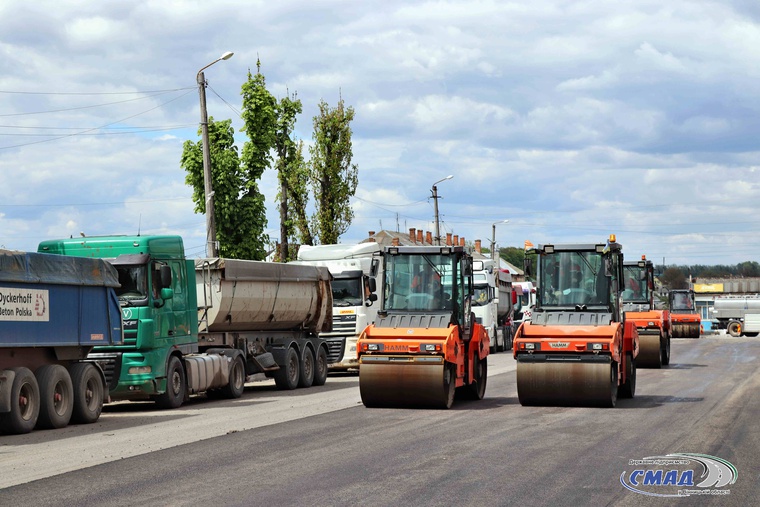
{"x": 576, "y": 350}
{"x": 425, "y": 343}
{"x": 53, "y": 311}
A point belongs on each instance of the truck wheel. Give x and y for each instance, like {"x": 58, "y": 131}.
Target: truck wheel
{"x": 306, "y": 375}
{"x": 508, "y": 337}
{"x": 734, "y": 329}
{"x": 25, "y": 403}
{"x": 88, "y": 393}
{"x": 234, "y": 389}
{"x": 56, "y": 396}
{"x": 628, "y": 389}
{"x": 320, "y": 368}
{"x": 176, "y": 385}
{"x": 287, "y": 376}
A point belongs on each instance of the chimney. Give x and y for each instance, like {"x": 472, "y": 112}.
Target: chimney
{"x": 394, "y": 242}
{"x": 461, "y": 241}
{"x": 448, "y": 239}
{"x": 412, "y": 235}
{"x": 429, "y": 237}
{"x": 456, "y": 239}
{"x": 371, "y": 233}
{"x": 419, "y": 236}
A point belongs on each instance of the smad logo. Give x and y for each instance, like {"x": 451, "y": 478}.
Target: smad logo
{"x": 679, "y": 474}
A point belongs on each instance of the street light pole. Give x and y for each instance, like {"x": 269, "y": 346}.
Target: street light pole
{"x": 200, "y": 78}
{"x": 437, "y": 238}
{"x": 493, "y": 238}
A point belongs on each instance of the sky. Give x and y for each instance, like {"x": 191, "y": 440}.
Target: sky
{"x": 573, "y": 120}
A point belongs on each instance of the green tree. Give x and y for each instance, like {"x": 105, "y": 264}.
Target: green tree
{"x": 235, "y": 209}
{"x": 674, "y": 278}
{"x": 334, "y": 177}
{"x": 298, "y": 186}
{"x": 289, "y": 160}
{"x": 513, "y": 255}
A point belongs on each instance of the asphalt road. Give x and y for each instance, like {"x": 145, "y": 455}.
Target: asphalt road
{"x": 320, "y": 446}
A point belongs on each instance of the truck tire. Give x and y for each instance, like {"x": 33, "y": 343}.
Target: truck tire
{"x": 286, "y": 377}
{"x": 734, "y": 328}
{"x": 234, "y": 389}
{"x": 25, "y": 403}
{"x": 56, "y": 396}
{"x": 176, "y": 385}
{"x": 628, "y": 389}
{"x": 320, "y": 368}
{"x": 508, "y": 337}
{"x": 88, "y": 393}
{"x": 306, "y": 372}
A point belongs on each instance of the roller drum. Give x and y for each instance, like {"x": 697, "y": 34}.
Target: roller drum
{"x": 566, "y": 383}
{"x": 405, "y": 384}
{"x": 650, "y": 351}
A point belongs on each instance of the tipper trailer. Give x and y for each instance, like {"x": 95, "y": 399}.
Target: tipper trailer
{"x": 425, "y": 343}
{"x": 206, "y": 325}
{"x": 653, "y": 325}
{"x": 577, "y": 349}
{"x": 53, "y": 311}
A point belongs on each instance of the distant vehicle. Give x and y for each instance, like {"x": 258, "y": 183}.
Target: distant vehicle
{"x": 525, "y": 293}
{"x": 731, "y": 314}
{"x": 685, "y": 321}
{"x": 491, "y": 302}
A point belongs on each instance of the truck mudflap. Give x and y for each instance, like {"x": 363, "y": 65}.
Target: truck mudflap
{"x": 566, "y": 380}
{"x": 406, "y": 381}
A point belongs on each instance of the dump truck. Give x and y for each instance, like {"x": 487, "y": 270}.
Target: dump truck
{"x": 731, "y": 313}
{"x": 53, "y": 311}
{"x": 425, "y": 345}
{"x": 505, "y": 306}
{"x": 653, "y": 325}
{"x": 490, "y": 303}
{"x": 577, "y": 349}
{"x": 357, "y": 276}
{"x": 206, "y": 325}
{"x": 525, "y": 301}
{"x": 685, "y": 321}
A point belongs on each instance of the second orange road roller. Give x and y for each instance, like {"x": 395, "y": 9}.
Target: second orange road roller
{"x": 425, "y": 345}
{"x": 683, "y": 313}
{"x": 652, "y": 324}
{"x": 577, "y": 349}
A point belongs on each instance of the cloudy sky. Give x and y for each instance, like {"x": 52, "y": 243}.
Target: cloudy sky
{"x": 572, "y": 119}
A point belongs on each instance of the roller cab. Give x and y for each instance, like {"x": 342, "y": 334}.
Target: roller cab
{"x": 577, "y": 349}
{"x": 425, "y": 344}
{"x": 686, "y": 321}
{"x": 653, "y": 325}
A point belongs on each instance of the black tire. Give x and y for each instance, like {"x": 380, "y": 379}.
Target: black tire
{"x": 320, "y": 368}
{"x": 306, "y": 373}
{"x": 56, "y": 396}
{"x": 234, "y": 389}
{"x": 25, "y": 403}
{"x": 88, "y": 393}
{"x": 613, "y": 386}
{"x": 628, "y": 389}
{"x": 449, "y": 385}
{"x": 176, "y": 385}
{"x": 509, "y": 338}
{"x": 477, "y": 388}
{"x": 666, "y": 352}
{"x": 286, "y": 377}
{"x": 734, "y": 328}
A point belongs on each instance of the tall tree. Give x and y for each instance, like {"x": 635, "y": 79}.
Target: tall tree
{"x": 287, "y": 160}
{"x": 235, "y": 209}
{"x": 298, "y": 186}
{"x": 333, "y": 176}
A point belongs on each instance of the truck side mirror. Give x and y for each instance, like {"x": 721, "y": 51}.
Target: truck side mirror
{"x": 167, "y": 293}
{"x": 372, "y": 283}
{"x": 371, "y": 299}
{"x": 166, "y": 276}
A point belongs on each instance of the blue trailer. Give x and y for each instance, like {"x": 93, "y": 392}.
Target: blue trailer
{"x": 53, "y": 310}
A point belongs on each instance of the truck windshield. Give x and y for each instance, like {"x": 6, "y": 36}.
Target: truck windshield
{"x": 419, "y": 282}
{"x": 134, "y": 284}
{"x": 480, "y": 296}
{"x": 636, "y": 287}
{"x": 347, "y": 292}
{"x": 573, "y": 278}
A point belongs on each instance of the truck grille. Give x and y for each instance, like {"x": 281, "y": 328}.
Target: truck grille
{"x": 343, "y": 325}
{"x": 335, "y": 348}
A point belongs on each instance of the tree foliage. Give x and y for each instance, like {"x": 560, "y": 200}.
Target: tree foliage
{"x": 334, "y": 177}
{"x": 288, "y": 164}
{"x": 674, "y": 278}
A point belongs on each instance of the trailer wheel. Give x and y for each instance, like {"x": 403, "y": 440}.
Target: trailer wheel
{"x": 25, "y": 403}
{"x": 176, "y": 385}
{"x": 56, "y": 396}
{"x": 287, "y": 376}
{"x": 88, "y": 393}
{"x": 628, "y": 389}
{"x": 320, "y": 368}
{"x": 306, "y": 374}
{"x": 234, "y": 389}
{"x": 734, "y": 329}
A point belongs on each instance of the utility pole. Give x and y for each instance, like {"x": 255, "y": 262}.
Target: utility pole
{"x": 437, "y": 238}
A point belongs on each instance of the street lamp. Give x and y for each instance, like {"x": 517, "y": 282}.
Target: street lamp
{"x": 493, "y": 237}
{"x": 435, "y": 204}
{"x": 211, "y": 248}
